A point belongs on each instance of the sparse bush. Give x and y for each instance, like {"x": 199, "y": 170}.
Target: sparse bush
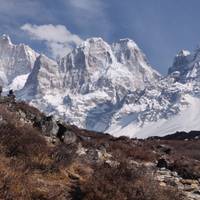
{"x": 21, "y": 141}
{"x": 63, "y": 155}
{"x": 124, "y": 183}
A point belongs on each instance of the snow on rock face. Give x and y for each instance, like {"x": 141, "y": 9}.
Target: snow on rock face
{"x": 85, "y": 65}
{"x": 96, "y": 65}
{"x": 187, "y": 65}
{"x": 183, "y": 116}
{"x": 18, "y": 82}
{"x": 128, "y": 54}
{"x": 15, "y": 60}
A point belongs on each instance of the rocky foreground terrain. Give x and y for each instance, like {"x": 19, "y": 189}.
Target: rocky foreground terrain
{"x": 41, "y": 159}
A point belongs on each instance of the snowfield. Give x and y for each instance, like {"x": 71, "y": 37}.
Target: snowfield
{"x": 186, "y": 120}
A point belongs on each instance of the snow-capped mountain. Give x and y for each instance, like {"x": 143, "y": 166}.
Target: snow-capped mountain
{"x": 91, "y": 83}
{"x": 95, "y": 65}
{"x": 112, "y": 88}
{"x": 186, "y": 66}
{"x": 173, "y": 104}
{"x": 16, "y": 62}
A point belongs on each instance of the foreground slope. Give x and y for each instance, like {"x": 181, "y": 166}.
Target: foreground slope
{"x": 44, "y": 159}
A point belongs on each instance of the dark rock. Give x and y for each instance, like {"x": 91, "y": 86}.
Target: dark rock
{"x": 61, "y": 131}
{"x": 47, "y": 125}
{"x": 65, "y": 135}
{"x": 162, "y": 163}
{"x": 69, "y": 137}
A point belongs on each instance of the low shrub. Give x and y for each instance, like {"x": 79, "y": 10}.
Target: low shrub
{"x": 125, "y": 184}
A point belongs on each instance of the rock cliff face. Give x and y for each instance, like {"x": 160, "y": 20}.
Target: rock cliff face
{"x": 44, "y": 77}
{"x": 186, "y": 66}
{"x": 96, "y": 65}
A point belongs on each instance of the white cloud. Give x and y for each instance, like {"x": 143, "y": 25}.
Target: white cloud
{"x": 58, "y": 38}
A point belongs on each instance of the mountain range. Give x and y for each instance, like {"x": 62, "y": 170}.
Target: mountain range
{"x": 106, "y": 87}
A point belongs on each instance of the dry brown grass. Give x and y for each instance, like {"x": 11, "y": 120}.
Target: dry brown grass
{"x": 30, "y": 168}
{"x": 124, "y": 183}
{"x": 184, "y": 157}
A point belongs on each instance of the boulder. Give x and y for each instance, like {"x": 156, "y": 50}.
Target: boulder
{"x": 47, "y": 124}
{"x": 69, "y": 137}
{"x": 162, "y": 163}
{"x": 65, "y": 135}
{"x": 164, "y": 148}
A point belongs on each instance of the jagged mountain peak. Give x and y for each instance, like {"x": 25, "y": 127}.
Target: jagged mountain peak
{"x": 44, "y": 78}
{"x": 127, "y": 51}
{"x": 186, "y": 66}
{"x": 15, "y": 61}
{"x": 93, "y": 42}
{"x": 183, "y": 53}
{"x": 96, "y": 65}
{"x": 5, "y": 39}
{"x": 127, "y": 42}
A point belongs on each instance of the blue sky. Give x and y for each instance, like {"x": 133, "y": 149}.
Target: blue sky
{"x": 160, "y": 27}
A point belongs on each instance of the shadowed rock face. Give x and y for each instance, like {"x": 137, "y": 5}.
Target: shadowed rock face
{"x": 186, "y": 66}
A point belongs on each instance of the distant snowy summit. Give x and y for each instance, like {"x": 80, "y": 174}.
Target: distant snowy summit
{"x": 108, "y": 88}
{"x": 16, "y": 62}
{"x": 187, "y": 66}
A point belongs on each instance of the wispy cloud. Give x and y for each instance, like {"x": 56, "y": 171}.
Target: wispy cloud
{"x": 91, "y": 6}
{"x": 14, "y": 13}
{"x": 18, "y": 10}
{"x": 58, "y": 38}
{"x": 90, "y": 16}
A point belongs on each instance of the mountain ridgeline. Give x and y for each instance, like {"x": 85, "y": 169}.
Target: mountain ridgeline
{"x": 107, "y": 88}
